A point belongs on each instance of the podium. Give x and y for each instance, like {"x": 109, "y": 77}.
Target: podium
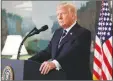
{"x": 27, "y": 70}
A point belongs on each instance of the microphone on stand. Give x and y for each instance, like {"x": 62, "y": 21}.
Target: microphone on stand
{"x": 37, "y": 31}
{"x": 31, "y": 33}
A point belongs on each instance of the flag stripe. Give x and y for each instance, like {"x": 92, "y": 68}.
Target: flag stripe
{"x": 104, "y": 76}
{"x": 98, "y": 41}
{"x": 97, "y": 48}
{"x": 107, "y": 63}
{"x": 107, "y": 54}
{"x": 109, "y": 46}
{"x": 96, "y": 74}
{"x": 97, "y": 55}
{"x": 110, "y": 40}
{"x": 106, "y": 72}
{"x": 97, "y": 62}
{"x": 97, "y": 71}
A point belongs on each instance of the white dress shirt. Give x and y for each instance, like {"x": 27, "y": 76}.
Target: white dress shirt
{"x": 58, "y": 66}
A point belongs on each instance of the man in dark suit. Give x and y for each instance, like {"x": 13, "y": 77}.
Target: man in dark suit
{"x": 69, "y": 48}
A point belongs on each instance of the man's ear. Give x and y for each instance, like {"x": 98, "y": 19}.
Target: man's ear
{"x": 74, "y": 16}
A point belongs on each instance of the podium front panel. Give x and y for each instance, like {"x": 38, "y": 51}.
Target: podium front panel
{"x": 16, "y": 65}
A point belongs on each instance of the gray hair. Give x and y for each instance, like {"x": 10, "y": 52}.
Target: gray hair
{"x": 70, "y": 6}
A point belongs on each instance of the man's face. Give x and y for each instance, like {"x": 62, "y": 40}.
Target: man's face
{"x": 65, "y": 18}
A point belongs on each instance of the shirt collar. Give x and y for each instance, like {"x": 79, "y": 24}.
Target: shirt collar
{"x": 69, "y": 28}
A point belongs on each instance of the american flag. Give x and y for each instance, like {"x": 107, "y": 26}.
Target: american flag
{"x": 103, "y": 56}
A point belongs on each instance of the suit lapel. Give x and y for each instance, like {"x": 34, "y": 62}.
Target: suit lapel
{"x": 70, "y": 35}
{"x": 67, "y": 38}
{"x": 57, "y": 39}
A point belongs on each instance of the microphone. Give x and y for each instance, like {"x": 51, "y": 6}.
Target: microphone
{"x": 32, "y": 32}
{"x": 37, "y": 31}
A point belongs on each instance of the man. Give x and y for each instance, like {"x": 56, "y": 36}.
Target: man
{"x": 69, "y": 47}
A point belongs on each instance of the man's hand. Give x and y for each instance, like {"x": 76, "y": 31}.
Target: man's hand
{"x": 46, "y": 67}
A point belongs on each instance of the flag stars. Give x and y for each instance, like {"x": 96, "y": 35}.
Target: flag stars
{"x": 107, "y": 19}
{"x": 106, "y": 24}
{"x": 103, "y": 38}
{"x": 109, "y": 29}
{"x": 103, "y": 24}
{"x": 105, "y": 14}
{"x": 108, "y": 14}
{"x": 99, "y": 28}
{"x": 108, "y": 33}
{"x": 110, "y": 23}
{"x": 105, "y": 28}
{"x": 100, "y": 19}
{"x": 101, "y": 33}
{"x": 106, "y": 9}
{"x": 98, "y": 33}
{"x": 100, "y": 24}
{"x": 104, "y": 19}
{"x": 104, "y": 33}
{"x": 105, "y": 4}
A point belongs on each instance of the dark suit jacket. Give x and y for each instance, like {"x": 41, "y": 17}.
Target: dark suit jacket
{"x": 73, "y": 55}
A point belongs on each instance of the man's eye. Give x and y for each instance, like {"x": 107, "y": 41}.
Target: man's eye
{"x": 64, "y": 13}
